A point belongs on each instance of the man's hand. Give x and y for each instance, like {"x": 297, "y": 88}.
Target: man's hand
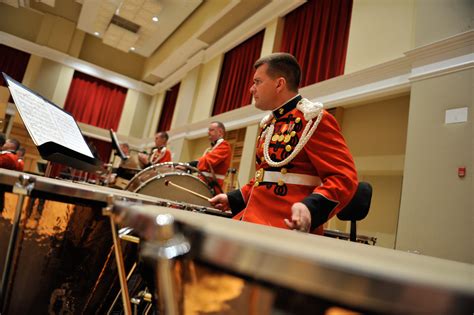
{"x": 143, "y": 158}
{"x": 181, "y": 167}
{"x": 220, "y": 202}
{"x": 300, "y": 218}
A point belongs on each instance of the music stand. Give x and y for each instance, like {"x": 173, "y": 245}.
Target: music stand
{"x": 53, "y": 130}
{"x": 116, "y": 145}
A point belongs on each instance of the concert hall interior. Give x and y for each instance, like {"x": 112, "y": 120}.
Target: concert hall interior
{"x": 397, "y": 76}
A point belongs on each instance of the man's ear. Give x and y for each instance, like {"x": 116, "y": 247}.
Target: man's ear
{"x": 281, "y": 84}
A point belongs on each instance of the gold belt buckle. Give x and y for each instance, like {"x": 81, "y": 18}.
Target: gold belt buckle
{"x": 259, "y": 175}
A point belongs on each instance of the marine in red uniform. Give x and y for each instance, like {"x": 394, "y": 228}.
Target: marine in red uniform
{"x": 20, "y": 154}
{"x": 305, "y": 172}
{"x": 159, "y": 154}
{"x": 215, "y": 161}
{"x": 8, "y": 157}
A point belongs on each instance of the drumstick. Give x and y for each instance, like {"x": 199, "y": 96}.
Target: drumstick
{"x": 168, "y": 182}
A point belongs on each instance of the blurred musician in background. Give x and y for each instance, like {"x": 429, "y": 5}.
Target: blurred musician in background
{"x": 8, "y": 157}
{"x": 215, "y": 161}
{"x": 129, "y": 167}
{"x": 305, "y": 172}
{"x": 159, "y": 154}
{"x": 20, "y": 153}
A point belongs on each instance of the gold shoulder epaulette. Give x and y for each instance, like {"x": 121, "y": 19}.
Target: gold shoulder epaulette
{"x": 265, "y": 120}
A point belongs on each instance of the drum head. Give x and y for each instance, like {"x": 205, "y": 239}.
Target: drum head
{"x": 162, "y": 187}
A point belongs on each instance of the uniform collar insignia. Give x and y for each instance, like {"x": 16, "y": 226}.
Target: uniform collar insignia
{"x": 287, "y": 107}
{"x": 218, "y": 141}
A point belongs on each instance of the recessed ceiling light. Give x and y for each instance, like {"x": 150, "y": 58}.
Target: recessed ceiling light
{"x": 132, "y": 48}
{"x": 154, "y": 19}
{"x": 96, "y": 33}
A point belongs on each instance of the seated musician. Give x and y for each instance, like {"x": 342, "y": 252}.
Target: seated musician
{"x": 305, "y": 172}
{"x": 128, "y": 167}
{"x": 8, "y": 157}
{"x": 159, "y": 154}
{"x": 215, "y": 161}
{"x": 20, "y": 153}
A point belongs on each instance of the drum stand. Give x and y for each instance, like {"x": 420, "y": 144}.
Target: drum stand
{"x": 163, "y": 247}
{"x": 119, "y": 259}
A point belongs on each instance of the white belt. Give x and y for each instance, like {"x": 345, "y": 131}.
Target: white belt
{"x": 215, "y": 175}
{"x": 288, "y": 178}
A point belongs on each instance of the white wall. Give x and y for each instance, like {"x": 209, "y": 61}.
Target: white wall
{"x": 436, "y": 212}
{"x": 206, "y": 89}
{"x": 439, "y": 19}
{"x": 381, "y": 30}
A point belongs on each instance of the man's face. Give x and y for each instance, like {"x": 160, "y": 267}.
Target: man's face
{"x": 214, "y": 133}
{"x": 9, "y": 146}
{"x": 264, "y": 89}
{"x": 159, "y": 140}
{"x": 124, "y": 149}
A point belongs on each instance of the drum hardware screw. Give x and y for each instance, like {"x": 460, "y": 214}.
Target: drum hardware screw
{"x": 165, "y": 246}
{"x": 135, "y": 301}
{"x": 107, "y": 211}
{"x": 24, "y": 185}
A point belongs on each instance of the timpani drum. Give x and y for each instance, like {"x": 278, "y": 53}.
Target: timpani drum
{"x": 210, "y": 265}
{"x": 56, "y": 252}
{"x": 157, "y": 180}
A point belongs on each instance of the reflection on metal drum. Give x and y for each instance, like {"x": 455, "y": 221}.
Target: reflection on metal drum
{"x": 56, "y": 254}
{"x": 61, "y": 252}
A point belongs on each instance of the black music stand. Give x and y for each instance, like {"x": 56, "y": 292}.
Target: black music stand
{"x": 116, "y": 145}
{"x": 53, "y": 130}
{"x": 358, "y": 208}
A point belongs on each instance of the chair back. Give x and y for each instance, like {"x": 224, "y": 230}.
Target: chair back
{"x": 358, "y": 208}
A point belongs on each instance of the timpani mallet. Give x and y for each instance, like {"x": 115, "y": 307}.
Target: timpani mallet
{"x": 168, "y": 182}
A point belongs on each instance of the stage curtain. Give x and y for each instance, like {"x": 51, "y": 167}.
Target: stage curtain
{"x": 94, "y": 101}
{"x": 13, "y": 62}
{"x": 168, "y": 108}
{"x": 236, "y": 75}
{"x": 317, "y": 33}
{"x": 100, "y": 149}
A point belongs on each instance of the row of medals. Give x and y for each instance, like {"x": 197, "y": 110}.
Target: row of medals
{"x": 285, "y": 134}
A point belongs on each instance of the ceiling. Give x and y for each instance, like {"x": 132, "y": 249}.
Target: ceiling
{"x": 136, "y": 27}
{"x": 154, "y": 50}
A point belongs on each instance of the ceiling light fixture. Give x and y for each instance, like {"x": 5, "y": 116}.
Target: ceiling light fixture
{"x": 96, "y": 33}
{"x": 132, "y": 48}
{"x": 154, "y": 19}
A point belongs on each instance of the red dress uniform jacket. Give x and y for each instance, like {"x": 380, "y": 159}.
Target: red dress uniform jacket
{"x": 321, "y": 174}
{"x": 216, "y": 159}
{"x": 8, "y": 160}
{"x": 160, "y": 156}
{"x": 21, "y": 165}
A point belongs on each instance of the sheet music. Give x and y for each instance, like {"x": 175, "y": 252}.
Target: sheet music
{"x": 46, "y": 122}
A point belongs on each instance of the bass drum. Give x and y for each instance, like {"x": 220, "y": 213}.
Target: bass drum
{"x": 160, "y": 180}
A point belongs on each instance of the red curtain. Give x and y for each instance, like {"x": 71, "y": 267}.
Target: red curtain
{"x": 95, "y": 102}
{"x": 100, "y": 148}
{"x": 317, "y": 33}
{"x": 13, "y": 62}
{"x": 168, "y": 108}
{"x": 236, "y": 75}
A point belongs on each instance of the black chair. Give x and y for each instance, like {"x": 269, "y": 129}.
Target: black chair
{"x": 358, "y": 208}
